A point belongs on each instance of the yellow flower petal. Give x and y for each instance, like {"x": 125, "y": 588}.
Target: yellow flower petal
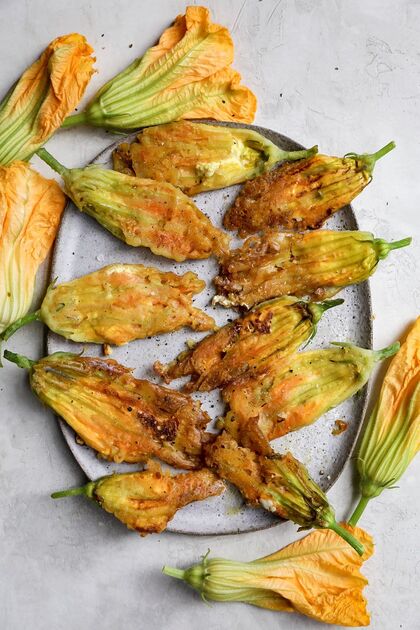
{"x": 44, "y": 95}
{"x": 186, "y": 75}
{"x": 223, "y": 97}
{"x": 320, "y": 577}
{"x": 213, "y": 46}
{"x": 400, "y": 386}
{"x": 392, "y": 435}
{"x": 30, "y": 211}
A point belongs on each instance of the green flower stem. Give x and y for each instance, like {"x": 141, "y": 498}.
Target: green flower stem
{"x": 404, "y": 242}
{"x": 51, "y": 161}
{"x": 175, "y": 573}
{"x": 360, "y": 508}
{"x": 74, "y": 120}
{"x": 369, "y": 159}
{"x": 318, "y": 308}
{"x": 389, "y": 351}
{"x": 347, "y": 536}
{"x": 86, "y": 490}
{"x": 386, "y": 149}
{"x": 26, "y": 319}
{"x": 383, "y": 247}
{"x": 291, "y": 156}
{"x": 19, "y": 359}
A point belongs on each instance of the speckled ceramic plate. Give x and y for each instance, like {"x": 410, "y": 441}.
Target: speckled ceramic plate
{"x": 83, "y": 246}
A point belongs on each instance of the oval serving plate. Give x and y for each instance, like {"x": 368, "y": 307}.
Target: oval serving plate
{"x": 82, "y": 246}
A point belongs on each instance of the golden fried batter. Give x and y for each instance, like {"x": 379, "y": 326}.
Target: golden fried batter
{"x": 316, "y": 264}
{"x": 198, "y": 157}
{"x": 277, "y": 327}
{"x": 236, "y": 464}
{"x": 278, "y": 483}
{"x": 123, "y": 302}
{"x": 301, "y": 195}
{"x": 144, "y": 212}
{"x": 123, "y": 418}
{"x": 146, "y": 501}
{"x": 290, "y": 393}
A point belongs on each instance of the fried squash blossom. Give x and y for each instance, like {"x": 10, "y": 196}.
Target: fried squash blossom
{"x": 120, "y": 303}
{"x": 123, "y": 418}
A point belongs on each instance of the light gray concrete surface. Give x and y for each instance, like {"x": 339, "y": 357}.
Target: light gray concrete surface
{"x": 343, "y": 74}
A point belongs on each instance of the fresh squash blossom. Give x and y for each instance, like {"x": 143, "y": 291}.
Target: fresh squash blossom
{"x": 30, "y": 211}
{"x": 186, "y": 75}
{"x": 45, "y": 94}
{"x": 392, "y": 435}
{"x": 318, "y": 576}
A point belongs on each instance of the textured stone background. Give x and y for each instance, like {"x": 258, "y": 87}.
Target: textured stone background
{"x": 343, "y": 74}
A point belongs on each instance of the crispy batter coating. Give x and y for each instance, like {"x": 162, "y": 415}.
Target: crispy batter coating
{"x": 236, "y": 464}
{"x": 122, "y": 302}
{"x": 290, "y": 393}
{"x": 145, "y": 213}
{"x": 317, "y": 264}
{"x": 277, "y": 327}
{"x": 123, "y": 418}
{"x": 197, "y": 157}
{"x": 278, "y": 483}
{"x": 146, "y": 501}
{"x": 297, "y": 196}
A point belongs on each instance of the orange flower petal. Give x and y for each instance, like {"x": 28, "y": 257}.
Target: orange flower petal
{"x": 320, "y": 577}
{"x": 224, "y": 98}
{"x": 44, "y": 95}
{"x": 392, "y": 435}
{"x": 195, "y": 17}
{"x": 30, "y": 211}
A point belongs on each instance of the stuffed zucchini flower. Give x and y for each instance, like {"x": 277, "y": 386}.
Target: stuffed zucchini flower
{"x": 30, "y": 211}
{"x": 147, "y": 500}
{"x": 198, "y": 157}
{"x": 142, "y": 212}
{"x": 123, "y": 418}
{"x": 186, "y": 75}
{"x": 278, "y": 483}
{"x": 47, "y": 92}
{"x": 119, "y": 303}
{"x": 286, "y": 394}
